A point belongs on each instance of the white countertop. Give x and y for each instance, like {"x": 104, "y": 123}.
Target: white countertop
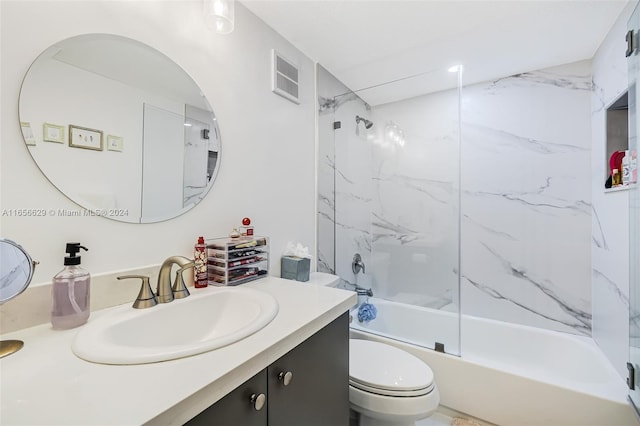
{"x": 46, "y": 384}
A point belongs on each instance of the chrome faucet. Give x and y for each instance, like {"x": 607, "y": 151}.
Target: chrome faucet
{"x": 164, "y": 292}
{"x": 357, "y": 265}
{"x": 147, "y": 299}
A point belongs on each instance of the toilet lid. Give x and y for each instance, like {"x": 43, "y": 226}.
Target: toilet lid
{"x": 388, "y": 392}
{"x": 384, "y": 367}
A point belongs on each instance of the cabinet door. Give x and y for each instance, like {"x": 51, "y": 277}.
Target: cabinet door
{"x": 318, "y": 390}
{"x": 236, "y": 408}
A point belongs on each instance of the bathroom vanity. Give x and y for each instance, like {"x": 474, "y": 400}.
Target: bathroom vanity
{"x": 304, "y": 387}
{"x": 45, "y": 383}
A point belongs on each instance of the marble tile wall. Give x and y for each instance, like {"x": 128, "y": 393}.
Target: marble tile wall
{"x": 526, "y": 200}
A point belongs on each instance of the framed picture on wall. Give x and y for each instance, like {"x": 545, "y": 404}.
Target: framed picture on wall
{"x": 82, "y": 137}
{"x": 52, "y": 133}
{"x": 114, "y": 143}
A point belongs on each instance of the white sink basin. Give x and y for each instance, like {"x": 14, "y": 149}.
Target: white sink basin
{"x": 206, "y": 320}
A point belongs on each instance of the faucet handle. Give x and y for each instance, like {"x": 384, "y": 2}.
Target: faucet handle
{"x": 146, "y": 298}
{"x": 179, "y": 289}
{"x": 357, "y": 264}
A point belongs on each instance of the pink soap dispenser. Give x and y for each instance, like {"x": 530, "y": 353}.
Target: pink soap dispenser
{"x": 70, "y": 292}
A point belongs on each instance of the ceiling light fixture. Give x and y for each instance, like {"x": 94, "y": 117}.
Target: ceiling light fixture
{"x": 219, "y": 15}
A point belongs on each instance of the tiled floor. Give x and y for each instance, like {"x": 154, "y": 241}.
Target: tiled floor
{"x": 437, "y": 419}
{"x": 444, "y": 417}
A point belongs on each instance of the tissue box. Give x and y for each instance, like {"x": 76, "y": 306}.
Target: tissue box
{"x": 295, "y": 268}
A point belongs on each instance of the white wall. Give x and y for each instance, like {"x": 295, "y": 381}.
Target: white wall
{"x": 267, "y": 167}
{"x": 610, "y": 218}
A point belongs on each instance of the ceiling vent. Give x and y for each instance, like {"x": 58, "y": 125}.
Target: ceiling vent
{"x": 285, "y": 78}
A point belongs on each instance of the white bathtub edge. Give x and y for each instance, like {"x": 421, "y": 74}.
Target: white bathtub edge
{"x": 508, "y": 399}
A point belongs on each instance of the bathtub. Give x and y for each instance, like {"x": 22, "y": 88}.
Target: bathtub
{"x": 507, "y": 374}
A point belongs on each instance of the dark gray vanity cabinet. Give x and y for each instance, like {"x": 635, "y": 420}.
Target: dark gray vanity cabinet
{"x": 237, "y": 407}
{"x": 307, "y": 386}
{"x": 318, "y": 391}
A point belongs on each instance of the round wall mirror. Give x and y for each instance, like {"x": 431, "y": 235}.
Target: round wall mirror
{"x": 119, "y": 128}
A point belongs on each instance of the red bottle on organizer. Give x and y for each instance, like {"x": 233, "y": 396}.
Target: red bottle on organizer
{"x": 247, "y": 229}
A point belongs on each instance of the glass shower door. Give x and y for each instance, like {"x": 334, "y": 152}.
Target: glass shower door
{"x": 397, "y": 205}
{"x": 634, "y": 214}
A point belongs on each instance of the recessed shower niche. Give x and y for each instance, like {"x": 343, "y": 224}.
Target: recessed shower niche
{"x": 617, "y": 139}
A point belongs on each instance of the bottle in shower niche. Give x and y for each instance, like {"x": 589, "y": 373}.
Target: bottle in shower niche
{"x": 70, "y": 292}
{"x": 200, "y": 279}
{"x": 626, "y": 168}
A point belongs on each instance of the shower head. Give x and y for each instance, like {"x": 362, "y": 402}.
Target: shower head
{"x": 367, "y": 124}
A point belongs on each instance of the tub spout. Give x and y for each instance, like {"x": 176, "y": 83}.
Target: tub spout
{"x": 361, "y": 291}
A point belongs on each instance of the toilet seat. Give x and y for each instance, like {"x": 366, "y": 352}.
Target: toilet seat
{"x": 385, "y": 370}
{"x": 390, "y": 392}
{"x": 391, "y": 409}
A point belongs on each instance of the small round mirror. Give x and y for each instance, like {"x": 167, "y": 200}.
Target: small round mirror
{"x": 16, "y": 271}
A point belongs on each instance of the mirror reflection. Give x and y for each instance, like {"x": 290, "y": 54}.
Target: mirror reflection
{"x": 119, "y": 128}
{"x": 16, "y": 270}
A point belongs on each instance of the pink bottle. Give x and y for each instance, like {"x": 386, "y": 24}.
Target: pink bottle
{"x": 70, "y": 292}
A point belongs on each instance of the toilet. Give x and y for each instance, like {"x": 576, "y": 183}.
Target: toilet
{"x": 387, "y": 386}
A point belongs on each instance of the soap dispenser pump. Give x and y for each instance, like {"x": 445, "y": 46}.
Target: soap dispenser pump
{"x": 70, "y": 292}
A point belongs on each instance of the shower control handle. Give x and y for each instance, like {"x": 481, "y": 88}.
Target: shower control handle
{"x": 357, "y": 264}
{"x": 285, "y": 378}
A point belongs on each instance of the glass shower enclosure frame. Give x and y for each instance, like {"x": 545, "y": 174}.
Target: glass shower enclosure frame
{"x": 389, "y": 194}
{"x": 633, "y": 365}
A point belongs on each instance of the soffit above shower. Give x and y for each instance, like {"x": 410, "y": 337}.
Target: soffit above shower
{"x": 365, "y": 42}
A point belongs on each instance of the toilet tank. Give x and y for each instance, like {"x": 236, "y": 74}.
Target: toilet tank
{"x": 323, "y": 279}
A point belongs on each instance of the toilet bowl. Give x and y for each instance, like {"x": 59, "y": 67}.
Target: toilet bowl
{"x": 387, "y": 386}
